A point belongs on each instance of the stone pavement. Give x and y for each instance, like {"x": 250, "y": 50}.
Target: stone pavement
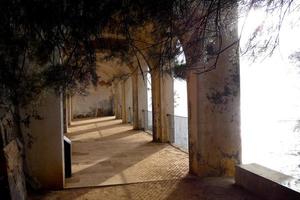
{"x": 181, "y": 189}
{"x": 112, "y": 161}
{"x": 111, "y": 153}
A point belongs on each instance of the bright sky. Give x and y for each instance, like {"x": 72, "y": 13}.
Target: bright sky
{"x": 270, "y": 100}
{"x": 180, "y": 92}
{"x": 180, "y": 98}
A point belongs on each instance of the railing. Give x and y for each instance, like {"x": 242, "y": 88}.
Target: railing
{"x": 178, "y": 131}
{"x": 148, "y": 125}
{"x": 178, "y": 128}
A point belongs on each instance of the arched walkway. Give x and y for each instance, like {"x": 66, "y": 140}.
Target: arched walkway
{"x": 107, "y": 152}
{"x": 113, "y": 161}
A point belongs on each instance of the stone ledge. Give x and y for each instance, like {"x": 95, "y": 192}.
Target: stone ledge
{"x": 267, "y": 183}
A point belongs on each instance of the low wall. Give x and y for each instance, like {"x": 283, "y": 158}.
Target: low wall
{"x": 267, "y": 183}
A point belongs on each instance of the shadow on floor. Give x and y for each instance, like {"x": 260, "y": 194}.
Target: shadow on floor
{"x": 128, "y": 166}
{"x": 93, "y": 129}
{"x": 81, "y": 122}
{"x": 77, "y": 130}
{"x": 113, "y": 168}
{"x": 115, "y": 154}
{"x": 183, "y": 189}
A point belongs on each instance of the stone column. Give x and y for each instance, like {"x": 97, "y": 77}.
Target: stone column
{"x": 69, "y": 108}
{"x": 156, "y": 105}
{"x": 214, "y": 108}
{"x": 124, "y": 115}
{"x": 162, "y": 104}
{"x": 115, "y": 90}
{"x": 45, "y": 157}
{"x": 65, "y": 113}
{"x": 119, "y": 86}
{"x": 192, "y": 95}
{"x": 128, "y": 97}
{"x": 135, "y": 100}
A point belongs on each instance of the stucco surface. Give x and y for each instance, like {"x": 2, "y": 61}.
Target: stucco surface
{"x": 96, "y": 103}
{"x": 45, "y": 155}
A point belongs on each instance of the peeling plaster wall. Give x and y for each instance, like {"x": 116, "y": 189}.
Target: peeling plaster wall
{"x": 98, "y": 102}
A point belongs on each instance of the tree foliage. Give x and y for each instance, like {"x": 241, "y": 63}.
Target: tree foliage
{"x": 48, "y": 44}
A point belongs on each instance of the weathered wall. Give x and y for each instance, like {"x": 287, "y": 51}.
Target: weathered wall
{"x": 119, "y": 98}
{"x": 128, "y": 97}
{"x": 45, "y": 144}
{"x": 162, "y": 103}
{"x": 214, "y": 103}
{"x": 98, "y": 102}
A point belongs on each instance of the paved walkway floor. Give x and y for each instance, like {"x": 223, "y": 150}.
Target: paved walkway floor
{"x": 127, "y": 165}
{"x": 182, "y": 189}
{"x": 107, "y": 152}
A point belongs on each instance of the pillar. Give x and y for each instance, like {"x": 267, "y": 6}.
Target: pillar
{"x": 124, "y": 115}
{"x": 45, "y": 157}
{"x": 115, "y": 91}
{"x": 69, "y": 109}
{"x": 119, "y": 86}
{"x": 65, "y": 120}
{"x": 135, "y": 100}
{"x": 214, "y": 108}
{"x": 65, "y": 113}
{"x": 128, "y": 97}
{"x": 162, "y": 103}
{"x": 192, "y": 95}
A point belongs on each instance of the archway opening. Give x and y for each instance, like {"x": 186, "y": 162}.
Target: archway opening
{"x": 179, "y": 120}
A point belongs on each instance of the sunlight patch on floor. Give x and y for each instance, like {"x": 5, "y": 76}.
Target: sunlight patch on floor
{"x": 115, "y": 154}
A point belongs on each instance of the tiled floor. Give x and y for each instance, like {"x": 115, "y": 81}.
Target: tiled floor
{"x": 128, "y": 166}
{"x": 181, "y": 189}
{"x": 107, "y": 152}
